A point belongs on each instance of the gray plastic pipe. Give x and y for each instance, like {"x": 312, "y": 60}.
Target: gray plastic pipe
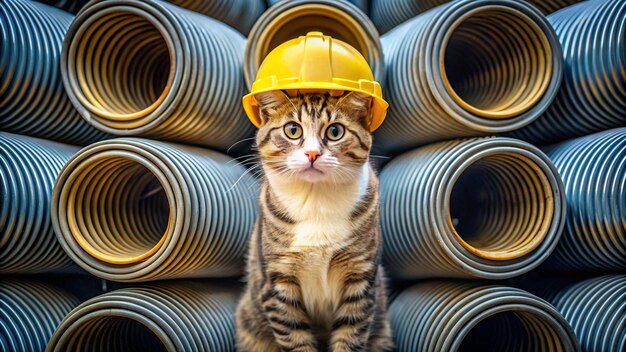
{"x": 240, "y": 14}
{"x": 361, "y": 4}
{"x": 149, "y": 68}
{"x": 596, "y": 310}
{"x": 484, "y": 208}
{"x": 593, "y": 169}
{"x": 29, "y": 313}
{"x": 470, "y": 316}
{"x": 592, "y": 97}
{"x": 28, "y": 169}
{"x": 386, "y": 14}
{"x": 182, "y": 316}
{"x": 32, "y": 99}
{"x": 290, "y": 19}
{"x": 134, "y": 210}
{"x": 467, "y": 68}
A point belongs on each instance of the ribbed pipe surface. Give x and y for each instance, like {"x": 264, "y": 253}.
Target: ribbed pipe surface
{"x": 596, "y": 310}
{"x": 29, "y": 314}
{"x": 175, "y": 317}
{"x": 485, "y": 207}
{"x": 386, "y": 14}
{"x": 456, "y": 316}
{"x": 467, "y": 68}
{"x": 361, "y": 4}
{"x": 149, "y": 68}
{"x": 290, "y": 19}
{"x": 32, "y": 99}
{"x": 136, "y": 210}
{"x": 240, "y": 14}
{"x": 593, "y": 169}
{"x": 72, "y": 6}
{"x": 28, "y": 169}
{"x": 592, "y": 97}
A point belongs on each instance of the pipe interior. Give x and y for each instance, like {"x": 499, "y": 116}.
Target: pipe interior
{"x": 315, "y": 17}
{"x": 497, "y": 63}
{"x": 123, "y": 64}
{"x": 121, "y": 211}
{"x": 512, "y": 331}
{"x": 111, "y": 333}
{"x": 501, "y": 206}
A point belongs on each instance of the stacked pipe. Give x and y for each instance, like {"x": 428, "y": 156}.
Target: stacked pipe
{"x": 150, "y": 68}
{"x": 29, "y": 314}
{"x": 290, "y": 19}
{"x": 361, "y": 4}
{"x": 32, "y": 100}
{"x": 596, "y": 310}
{"x": 468, "y": 68}
{"x": 72, "y": 6}
{"x": 181, "y": 316}
{"x": 240, "y": 14}
{"x": 593, "y": 169}
{"x": 28, "y": 169}
{"x": 387, "y": 14}
{"x": 462, "y": 316}
{"x": 135, "y": 210}
{"x": 484, "y": 207}
{"x": 592, "y": 97}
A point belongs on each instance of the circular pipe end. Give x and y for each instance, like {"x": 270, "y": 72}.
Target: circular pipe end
{"x": 119, "y": 65}
{"x": 117, "y": 209}
{"x": 501, "y": 206}
{"x": 495, "y": 62}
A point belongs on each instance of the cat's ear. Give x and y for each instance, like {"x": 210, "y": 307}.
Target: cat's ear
{"x": 269, "y": 102}
{"x": 359, "y": 104}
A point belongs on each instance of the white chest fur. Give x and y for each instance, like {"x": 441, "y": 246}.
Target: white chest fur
{"x": 322, "y": 215}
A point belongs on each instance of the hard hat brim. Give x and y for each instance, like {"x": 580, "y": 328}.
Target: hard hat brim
{"x": 377, "y": 115}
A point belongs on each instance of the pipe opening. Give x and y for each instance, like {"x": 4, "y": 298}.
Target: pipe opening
{"x": 512, "y": 331}
{"x": 496, "y": 63}
{"x": 112, "y": 333}
{"x": 123, "y": 65}
{"x": 501, "y": 206}
{"x": 118, "y": 211}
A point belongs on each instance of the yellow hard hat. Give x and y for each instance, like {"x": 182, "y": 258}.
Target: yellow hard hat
{"x": 318, "y": 62}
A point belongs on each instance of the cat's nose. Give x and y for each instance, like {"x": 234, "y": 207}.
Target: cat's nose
{"x": 312, "y": 154}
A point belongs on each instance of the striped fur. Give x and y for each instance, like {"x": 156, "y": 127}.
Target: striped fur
{"x": 314, "y": 279}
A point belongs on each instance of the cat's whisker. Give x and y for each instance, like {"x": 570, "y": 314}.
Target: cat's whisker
{"x": 238, "y": 142}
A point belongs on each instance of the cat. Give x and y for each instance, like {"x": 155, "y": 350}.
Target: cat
{"x": 314, "y": 279}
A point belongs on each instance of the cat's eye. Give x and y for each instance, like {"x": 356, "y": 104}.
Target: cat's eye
{"x": 335, "y": 131}
{"x": 293, "y": 130}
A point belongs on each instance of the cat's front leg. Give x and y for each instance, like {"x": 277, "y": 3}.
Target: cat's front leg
{"x": 351, "y": 327}
{"x": 284, "y": 310}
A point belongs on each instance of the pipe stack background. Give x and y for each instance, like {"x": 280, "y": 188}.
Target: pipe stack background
{"x": 125, "y": 211}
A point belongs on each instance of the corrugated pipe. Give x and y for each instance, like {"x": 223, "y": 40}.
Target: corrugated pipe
{"x": 592, "y": 97}
{"x": 28, "y": 169}
{"x": 153, "y": 69}
{"x": 134, "y": 210}
{"x": 72, "y": 6}
{"x": 240, "y": 14}
{"x": 464, "y": 316}
{"x": 183, "y": 316}
{"x": 387, "y": 14}
{"x": 361, "y": 4}
{"x": 290, "y": 19}
{"x": 485, "y": 207}
{"x": 32, "y": 99}
{"x": 468, "y": 68}
{"x": 596, "y": 310}
{"x": 593, "y": 169}
{"x": 29, "y": 314}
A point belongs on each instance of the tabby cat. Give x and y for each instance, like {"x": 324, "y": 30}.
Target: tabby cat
{"x": 314, "y": 279}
